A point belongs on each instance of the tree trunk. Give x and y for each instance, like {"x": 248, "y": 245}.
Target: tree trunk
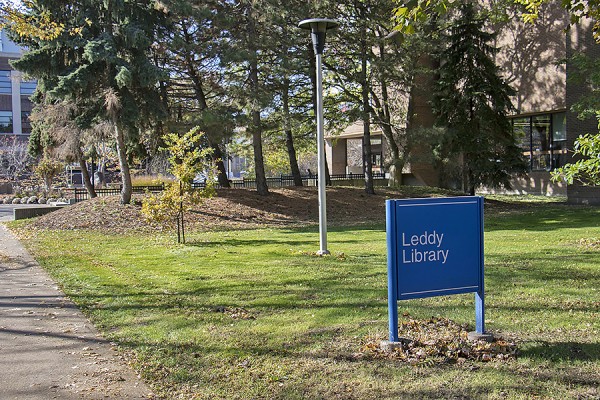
{"x": 313, "y": 81}
{"x": 256, "y": 126}
{"x": 127, "y": 187}
{"x": 217, "y": 155}
{"x": 85, "y": 174}
{"x": 396, "y": 165}
{"x": 259, "y": 163}
{"x": 289, "y": 138}
{"x": 366, "y": 114}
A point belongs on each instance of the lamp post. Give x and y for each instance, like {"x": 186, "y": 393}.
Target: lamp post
{"x": 318, "y": 28}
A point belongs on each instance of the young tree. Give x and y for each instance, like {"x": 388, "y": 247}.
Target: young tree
{"x": 187, "y": 157}
{"x": 472, "y": 101}
{"x": 47, "y": 169}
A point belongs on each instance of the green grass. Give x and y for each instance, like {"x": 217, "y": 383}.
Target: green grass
{"x": 305, "y": 317}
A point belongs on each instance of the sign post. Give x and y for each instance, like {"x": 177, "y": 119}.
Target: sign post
{"x": 435, "y": 248}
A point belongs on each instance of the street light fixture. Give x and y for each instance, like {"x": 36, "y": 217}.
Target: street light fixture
{"x": 318, "y": 28}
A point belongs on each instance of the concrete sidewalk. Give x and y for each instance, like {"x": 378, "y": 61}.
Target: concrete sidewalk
{"x": 48, "y": 349}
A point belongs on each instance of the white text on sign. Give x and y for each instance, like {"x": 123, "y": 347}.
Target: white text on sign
{"x": 416, "y": 255}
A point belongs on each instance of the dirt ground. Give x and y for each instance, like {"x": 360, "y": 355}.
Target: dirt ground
{"x": 246, "y": 209}
{"x": 231, "y": 209}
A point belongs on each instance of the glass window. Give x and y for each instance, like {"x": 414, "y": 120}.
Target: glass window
{"x": 543, "y": 139}
{"x": 540, "y": 142}
{"x": 6, "y": 122}
{"x": 5, "y": 82}
{"x": 25, "y": 123}
{"x": 27, "y": 88}
{"x": 522, "y": 130}
{"x": 559, "y": 139}
{"x": 559, "y": 127}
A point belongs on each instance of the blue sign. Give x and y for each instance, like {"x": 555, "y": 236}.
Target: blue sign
{"x": 435, "y": 248}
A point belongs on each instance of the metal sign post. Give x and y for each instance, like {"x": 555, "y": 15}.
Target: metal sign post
{"x": 435, "y": 248}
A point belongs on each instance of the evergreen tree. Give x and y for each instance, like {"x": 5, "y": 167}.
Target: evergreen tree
{"x": 246, "y": 56}
{"x": 104, "y": 68}
{"x": 472, "y": 101}
{"x": 195, "y": 91}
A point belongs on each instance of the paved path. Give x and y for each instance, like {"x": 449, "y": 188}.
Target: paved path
{"x": 48, "y": 349}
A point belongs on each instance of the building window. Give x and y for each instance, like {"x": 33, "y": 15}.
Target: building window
{"x": 6, "y": 122}
{"x": 559, "y": 140}
{"x": 25, "y": 123}
{"x": 543, "y": 140}
{"x": 5, "y": 82}
{"x": 28, "y": 87}
{"x": 376, "y": 160}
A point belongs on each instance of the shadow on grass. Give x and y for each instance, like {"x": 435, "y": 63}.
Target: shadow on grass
{"x": 544, "y": 218}
{"x": 308, "y": 239}
{"x": 562, "y": 351}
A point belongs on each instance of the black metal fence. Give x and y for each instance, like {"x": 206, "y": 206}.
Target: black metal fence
{"x": 273, "y": 182}
{"x": 81, "y": 194}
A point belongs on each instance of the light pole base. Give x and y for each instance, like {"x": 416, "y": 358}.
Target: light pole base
{"x": 323, "y": 253}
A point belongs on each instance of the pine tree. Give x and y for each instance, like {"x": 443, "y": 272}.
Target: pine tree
{"x": 195, "y": 91}
{"x": 472, "y": 101}
{"x": 104, "y": 68}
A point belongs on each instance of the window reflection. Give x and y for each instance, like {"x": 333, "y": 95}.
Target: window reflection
{"x": 542, "y": 139}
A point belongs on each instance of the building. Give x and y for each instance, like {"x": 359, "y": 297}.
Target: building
{"x": 530, "y": 57}
{"x": 15, "y": 105}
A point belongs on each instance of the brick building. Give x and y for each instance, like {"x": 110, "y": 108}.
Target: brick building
{"x": 531, "y": 58}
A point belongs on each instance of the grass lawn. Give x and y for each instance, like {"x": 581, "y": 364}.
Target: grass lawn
{"x": 252, "y": 314}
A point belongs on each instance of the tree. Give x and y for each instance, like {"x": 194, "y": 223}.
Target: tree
{"x": 15, "y": 160}
{"x": 196, "y": 92}
{"x": 55, "y": 132}
{"x": 16, "y": 17}
{"x": 104, "y": 68}
{"x": 473, "y": 101}
{"x": 248, "y": 49}
{"x": 585, "y": 170}
{"x": 350, "y": 59}
{"x": 47, "y": 169}
{"x": 187, "y": 157}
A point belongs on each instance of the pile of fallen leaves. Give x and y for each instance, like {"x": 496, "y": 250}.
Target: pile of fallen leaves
{"x": 229, "y": 209}
{"x": 235, "y": 312}
{"x": 590, "y": 243}
{"x": 439, "y": 340}
{"x": 241, "y": 209}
